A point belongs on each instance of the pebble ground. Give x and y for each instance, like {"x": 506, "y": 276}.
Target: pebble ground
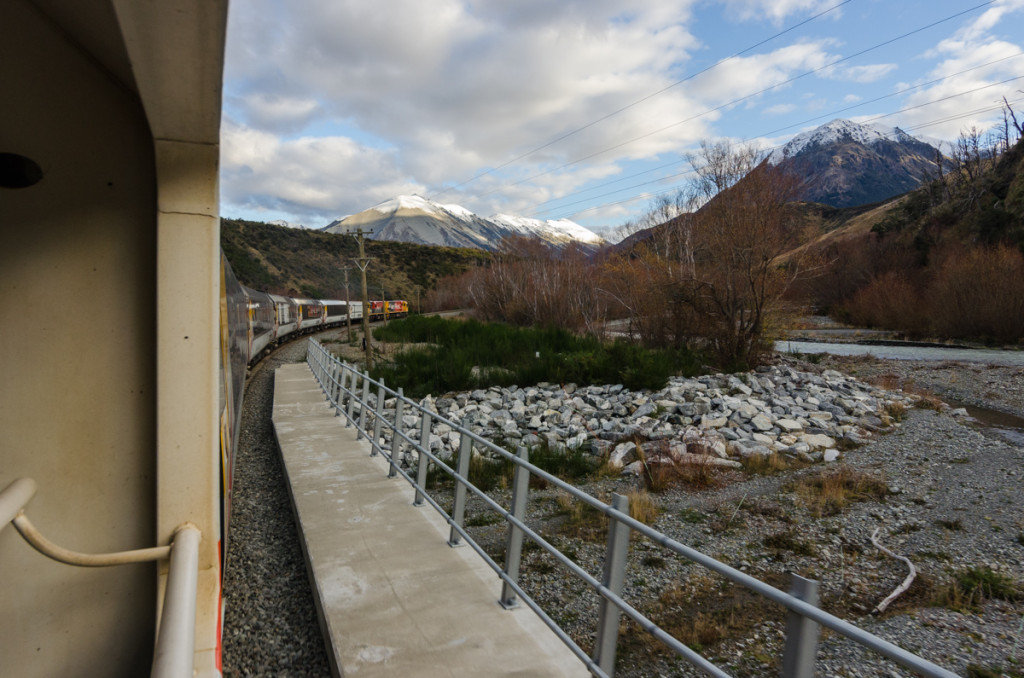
{"x": 955, "y": 503}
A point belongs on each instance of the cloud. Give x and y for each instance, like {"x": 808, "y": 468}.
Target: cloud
{"x": 448, "y": 87}
{"x": 779, "y": 109}
{"x": 315, "y": 179}
{"x": 969, "y": 99}
{"x": 776, "y": 10}
{"x": 864, "y": 74}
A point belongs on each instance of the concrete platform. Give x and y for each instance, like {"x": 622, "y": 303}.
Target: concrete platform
{"x": 394, "y": 598}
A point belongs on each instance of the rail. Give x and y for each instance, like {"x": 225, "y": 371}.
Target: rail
{"x": 339, "y": 380}
{"x": 175, "y": 643}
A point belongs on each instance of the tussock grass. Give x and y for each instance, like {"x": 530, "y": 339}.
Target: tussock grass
{"x": 895, "y": 411}
{"x": 772, "y": 464}
{"x": 972, "y": 586}
{"x": 829, "y": 491}
{"x": 642, "y": 506}
{"x": 700, "y": 611}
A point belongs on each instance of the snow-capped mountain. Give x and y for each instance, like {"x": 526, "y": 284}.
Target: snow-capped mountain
{"x": 843, "y": 163}
{"x": 412, "y": 218}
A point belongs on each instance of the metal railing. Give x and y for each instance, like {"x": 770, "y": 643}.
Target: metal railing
{"x": 347, "y": 390}
{"x": 175, "y": 643}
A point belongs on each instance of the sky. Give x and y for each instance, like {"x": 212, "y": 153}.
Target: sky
{"x": 578, "y": 109}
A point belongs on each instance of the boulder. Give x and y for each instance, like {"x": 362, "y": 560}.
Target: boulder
{"x": 819, "y": 441}
{"x": 622, "y": 455}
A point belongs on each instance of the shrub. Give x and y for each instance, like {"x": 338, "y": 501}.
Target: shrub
{"x": 980, "y": 294}
{"x": 455, "y": 347}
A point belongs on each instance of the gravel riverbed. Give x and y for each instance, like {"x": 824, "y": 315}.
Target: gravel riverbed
{"x": 947, "y": 495}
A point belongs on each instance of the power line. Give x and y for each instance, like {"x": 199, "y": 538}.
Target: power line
{"x": 676, "y": 187}
{"x": 534, "y": 210}
{"x": 741, "y": 99}
{"x": 639, "y": 101}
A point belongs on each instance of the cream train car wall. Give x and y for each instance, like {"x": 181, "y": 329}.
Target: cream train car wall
{"x": 110, "y": 275}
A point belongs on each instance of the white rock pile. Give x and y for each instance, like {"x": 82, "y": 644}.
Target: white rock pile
{"x": 713, "y": 419}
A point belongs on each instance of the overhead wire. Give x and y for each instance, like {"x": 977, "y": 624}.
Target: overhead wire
{"x": 676, "y": 187}
{"x": 640, "y": 101}
{"x": 534, "y": 210}
{"x": 737, "y": 100}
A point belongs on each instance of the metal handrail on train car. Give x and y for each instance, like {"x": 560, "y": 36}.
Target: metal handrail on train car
{"x": 175, "y": 642}
{"x": 338, "y": 381}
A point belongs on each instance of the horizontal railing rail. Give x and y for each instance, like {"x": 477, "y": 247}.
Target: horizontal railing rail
{"x": 338, "y": 381}
{"x": 175, "y": 643}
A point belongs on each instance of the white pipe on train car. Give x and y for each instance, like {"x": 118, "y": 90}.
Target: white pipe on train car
{"x": 14, "y": 497}
{"x": 175, "y": 642}
{"x": 63, "y": 555}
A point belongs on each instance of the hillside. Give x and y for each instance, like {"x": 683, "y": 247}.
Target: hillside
{"x": 945, "y": 260}
{"x": 309, "y": 263}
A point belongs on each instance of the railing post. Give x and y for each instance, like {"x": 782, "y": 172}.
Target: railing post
{"x": 462, "y": 471}
{"x": 423, "y": 460}
{"x": 514, "y": 543}
{"x": 350, "y": 414}
{"x": 614, "y": 578}
{"x": 801, "y": 632}
{"x": 396, "y": 440}
{"x": 377, "y": 414}
{"x": 329, "y": 374}
{"x": 336, "y": 387}
{"x": 175, "y": 642}
{"x": 363, "y": 406}
{"x": 343, "y": 391}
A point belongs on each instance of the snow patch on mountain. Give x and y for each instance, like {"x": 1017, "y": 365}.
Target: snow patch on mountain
{"x": 413, "y": 218}
{"x": 837, "y": 131}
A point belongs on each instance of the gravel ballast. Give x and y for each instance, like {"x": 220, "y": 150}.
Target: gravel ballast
{"x": 270, "y": 622}
{"x": 952, "y": 498}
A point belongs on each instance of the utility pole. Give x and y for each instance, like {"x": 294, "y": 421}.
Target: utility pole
{"x": 348, "y": 305}
{"x": 362, "y": 262}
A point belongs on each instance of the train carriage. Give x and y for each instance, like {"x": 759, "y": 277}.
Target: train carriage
{"x": 310, "y": 314}
{"x": 262, "y": 328}
{"x": 286, "y": 312}
{"x": 335, "y": 312}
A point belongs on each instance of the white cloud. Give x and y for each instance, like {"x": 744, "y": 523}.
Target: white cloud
{"x": 313, "y": 179}
{"x": 779, "y": 109}
{"x": 864, "y": 74}
{"x": 776, "y": 10}
{"x": 944, "y": 109}
{"x": 451, "y": 86}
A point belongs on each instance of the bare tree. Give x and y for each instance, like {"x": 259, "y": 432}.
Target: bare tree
{"x": 734, "y": 282}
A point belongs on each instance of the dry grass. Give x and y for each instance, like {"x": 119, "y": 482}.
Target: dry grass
{"x": 828, "y": 492}
{"x": 663, "y": 477}
{"x": 973, "y": 586}
{"x": 761, "y": 465}
{"x": 580, "y": 520}
{"x": 700, "y": 611}
{"x": 642, "y": 506}
{"x": 895, "y": 411}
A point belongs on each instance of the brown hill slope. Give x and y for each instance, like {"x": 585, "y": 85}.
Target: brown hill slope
{"x": 296, "y": 261}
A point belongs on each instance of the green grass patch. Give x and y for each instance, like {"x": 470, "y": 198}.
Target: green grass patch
{"x": 508, "y": 355}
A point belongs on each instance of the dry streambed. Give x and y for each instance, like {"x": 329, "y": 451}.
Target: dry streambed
{"x": 932, "y": 487}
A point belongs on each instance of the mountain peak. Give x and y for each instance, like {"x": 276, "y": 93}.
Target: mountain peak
{"x": 413, "y": 218}
{"x": 845, "y": 163}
